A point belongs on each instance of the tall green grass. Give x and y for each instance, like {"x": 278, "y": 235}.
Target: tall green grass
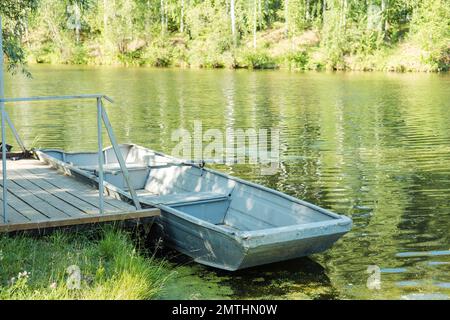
{"x": 110, "y": 264}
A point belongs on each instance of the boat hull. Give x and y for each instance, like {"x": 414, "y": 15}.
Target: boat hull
{"x": 212, "y": 246}
{"x": 204, "y": 245}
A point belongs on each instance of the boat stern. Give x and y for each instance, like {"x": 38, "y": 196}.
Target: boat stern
{"x": 280, "y": 244}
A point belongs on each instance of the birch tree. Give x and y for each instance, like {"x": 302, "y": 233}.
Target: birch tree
{"x": 233, "y": 21}
{"x": 384, "y": 20}
{"x": 286, "y": 17}
{"x": 182, "y": 17}
{"x": 74, "y": 20}
{"x": 254, "y": 23}
{"x": 163, "y": 18}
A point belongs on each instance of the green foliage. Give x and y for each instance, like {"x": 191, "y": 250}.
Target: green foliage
{"x": 158, "y": 55}
{"x": 15, "y": 14}
{"x": 209, "y": 53}
{"x": 79, "y": 55}
{"x": 431, "y": 30}
{"x": 258, "y": 59}
{"x": 297, "y": 60}
{"x": 198, "y": 33}
{"x": 110, "y": 266}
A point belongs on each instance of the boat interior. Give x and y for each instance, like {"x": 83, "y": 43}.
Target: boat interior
{"x": 201, "y": 193}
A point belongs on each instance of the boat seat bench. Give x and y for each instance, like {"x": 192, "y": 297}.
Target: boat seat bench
{"x": 150, "y": 198}
{"x": 179, "y": 198}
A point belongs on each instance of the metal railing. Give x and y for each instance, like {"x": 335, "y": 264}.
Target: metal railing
{"x": 102, "y": 119}
{"x": 3, "y": 116}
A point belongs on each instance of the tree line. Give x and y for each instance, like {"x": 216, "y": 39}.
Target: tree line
{"x": 300, "y": 34}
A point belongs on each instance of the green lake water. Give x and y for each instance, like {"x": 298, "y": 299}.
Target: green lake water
{"x": 372, "y": 146}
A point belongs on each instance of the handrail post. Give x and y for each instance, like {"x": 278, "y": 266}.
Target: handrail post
{"x": 120, "y": 159}
{"x": 15, "y": 133}
{"x": 2, "y": 107}
{"x": 100, "y": 154}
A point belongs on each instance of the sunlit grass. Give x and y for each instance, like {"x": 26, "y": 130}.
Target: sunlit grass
{"x": 110, "y": 264}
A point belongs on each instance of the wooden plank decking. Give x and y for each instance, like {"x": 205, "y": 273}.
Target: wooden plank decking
{"x": 39, "y": 197}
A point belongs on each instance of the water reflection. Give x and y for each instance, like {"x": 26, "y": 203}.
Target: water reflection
{"x": 375, "y": 147}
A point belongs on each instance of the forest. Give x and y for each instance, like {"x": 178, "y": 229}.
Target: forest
{"x": 391, "y": 35}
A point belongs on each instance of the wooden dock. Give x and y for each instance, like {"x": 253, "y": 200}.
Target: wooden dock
{"x": 40, "y": 197}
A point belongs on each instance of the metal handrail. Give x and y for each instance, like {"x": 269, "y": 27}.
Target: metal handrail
{"x": 102, "y": 118}
{"x": 3, "y": 116}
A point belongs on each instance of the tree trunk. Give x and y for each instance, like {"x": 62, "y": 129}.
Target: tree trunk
{"x": 165, "y": 16}
{"x": 307, "y": 14}
{"x": 162, "y": 18}
{"x": 266, "y": 6}
{"x": 286, "y": 17}
{"x": 233, "y": 21}
{"x": 384, "y": 21}
{"x": 343, "y": 15}
{"x": 254, "y": 24}
{"x": 77, "y": 35}
{"x": 76, "y": 15}
{"x": 182, "y": 17}
{"x": 259, "y": 14}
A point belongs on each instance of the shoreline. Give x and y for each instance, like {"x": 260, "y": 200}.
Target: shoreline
{"x": 284, "y": 69}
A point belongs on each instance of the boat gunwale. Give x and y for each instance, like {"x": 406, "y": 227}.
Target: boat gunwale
{"x": 251, "y": 239}
{"x": 227, "y": 176}
{"x": 238, "y": 235}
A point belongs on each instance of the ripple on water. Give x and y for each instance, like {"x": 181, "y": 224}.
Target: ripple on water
{"x": 423, "y": 254}
{"x": 375, "y": 147}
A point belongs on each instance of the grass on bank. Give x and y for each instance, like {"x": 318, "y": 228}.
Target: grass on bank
{"x": 110, "y": 264}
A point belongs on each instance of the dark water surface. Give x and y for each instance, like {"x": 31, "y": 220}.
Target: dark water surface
{"x": 374, "y": 147}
